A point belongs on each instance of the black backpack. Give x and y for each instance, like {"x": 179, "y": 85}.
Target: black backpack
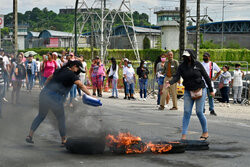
{"x": 21, "y": 72}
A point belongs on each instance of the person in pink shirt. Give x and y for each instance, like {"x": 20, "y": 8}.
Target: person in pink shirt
{"x": 49, "y": 66}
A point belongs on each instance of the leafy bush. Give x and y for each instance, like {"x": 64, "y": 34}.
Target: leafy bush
{"x": 152, "y": 54}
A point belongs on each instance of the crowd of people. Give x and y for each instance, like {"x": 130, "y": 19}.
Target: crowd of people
{"x": 61, "y": 76}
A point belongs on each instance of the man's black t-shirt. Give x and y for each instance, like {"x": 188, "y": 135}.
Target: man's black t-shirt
{"x": 29, "y": 68}
{"x": 62, "y": 81}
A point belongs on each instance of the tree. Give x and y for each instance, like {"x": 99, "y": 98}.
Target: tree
{"x": 146, "y": 43}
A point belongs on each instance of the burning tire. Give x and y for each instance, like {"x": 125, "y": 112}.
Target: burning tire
{"x": 85, "y": 145}
{"x": 177, "y": 147}
{"x": 195, "y": 145}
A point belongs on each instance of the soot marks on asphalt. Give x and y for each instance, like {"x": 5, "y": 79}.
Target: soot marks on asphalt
{"x": 169, "y": 162}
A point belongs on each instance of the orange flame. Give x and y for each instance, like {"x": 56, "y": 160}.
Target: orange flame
{"x": 159, "y": 148}
{"x": 126, "y": 141}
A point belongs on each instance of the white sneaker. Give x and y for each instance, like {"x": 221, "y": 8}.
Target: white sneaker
{"x": 140, "y": 99}
{"x": 166, "y": 106}
{"x": 144, "y": 99}
{"x": 222, "y": 105}
{"x": 5, "y": 100}
{"x": 76, "y": 99}
{"x": 228, "y": 105}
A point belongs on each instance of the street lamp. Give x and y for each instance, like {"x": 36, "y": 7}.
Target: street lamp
{"x": 222, "y": 23}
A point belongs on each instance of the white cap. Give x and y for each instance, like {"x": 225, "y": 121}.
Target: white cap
{"x": 125, "y": 59}
{"x": 186, "y": 53}
{"x": 1, "y": 56}
{"x": 55, "y": 53}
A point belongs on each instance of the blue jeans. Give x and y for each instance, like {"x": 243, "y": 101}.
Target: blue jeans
{"x": 130, "y": 88}
{"x": 30, "y": 83}
{"x": 6, "y": 83}
{"x": 50, "y": 100}
{"x": 188, "y": 106}
{"x": 1, "y": 98}
{"x": 160, "y": 83}
{"x": 72, "y": 92}
{"x": 114, "y": 87}
{"x": 210, "y": 101}
{"x": 143, "y": 83}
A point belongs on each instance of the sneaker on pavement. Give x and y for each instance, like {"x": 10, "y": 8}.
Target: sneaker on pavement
{"x": 144, "y": 99}
{"x": 228, "y": 105}
{"x": 5, "y": 100}
{"x": 76, "y": 99}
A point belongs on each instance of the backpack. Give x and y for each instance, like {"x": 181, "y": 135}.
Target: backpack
{"x": 21, "y": 72}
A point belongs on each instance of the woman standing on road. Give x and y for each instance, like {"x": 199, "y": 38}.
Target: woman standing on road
{"x": 129, "y": 75}
{"x": 225, "y": 79}
{"x": 192, "y": 73}
{"x": 142, "y": 72}
{"x": 113, "y": 75}
{"x": 160, "y": 78}
{"x": 49, "y": 66}
{"x": 53, "y": 96}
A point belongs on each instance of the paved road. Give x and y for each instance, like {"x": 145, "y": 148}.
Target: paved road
{"x": 229, "y": 137}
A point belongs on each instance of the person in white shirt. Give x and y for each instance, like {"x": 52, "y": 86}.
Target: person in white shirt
{"x": 129, "y": 75}
{"x": 6, "y": 64}
{"x": 210, "y": 67}
{"x": 237, "y": 83}
{"x": 113, "y": 74}
{"x": 123, "y": 67}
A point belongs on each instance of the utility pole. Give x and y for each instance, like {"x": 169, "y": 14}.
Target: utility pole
{"x": 92, "y": 36}
{"x": 183, "y": 31}
{"x": 102, "y": 32}
{"x": 76, "y": 7}
{"x": 222, "y": 26}
{"x": 15, "y": 25}
{"x": 197, "y": 46}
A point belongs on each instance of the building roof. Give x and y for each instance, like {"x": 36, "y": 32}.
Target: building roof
{"x": 235, "y": 26}
{"x": 34, "y": 34}
{"x": 52, "y": 33}
{"x": 120, "y": 30}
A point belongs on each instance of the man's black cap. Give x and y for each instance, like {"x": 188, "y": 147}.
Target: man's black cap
{"x": 206, "y": 54}
{"x": 78, "y": 64}
{"x": 1, "y": 50}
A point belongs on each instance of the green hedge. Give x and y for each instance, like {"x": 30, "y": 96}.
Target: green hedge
{"x": 152, "y": 54}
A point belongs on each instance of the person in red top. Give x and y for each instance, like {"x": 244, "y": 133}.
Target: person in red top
{"x": 49, "y": 66}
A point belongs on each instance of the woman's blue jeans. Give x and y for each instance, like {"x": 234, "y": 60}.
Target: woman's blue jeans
{"x": 30, "y": 83}
{"x": 188, "y": 106}
{"x": 50, "y": 100}
{"x": 73, "y": 92}
{"x": 143, "y": 83}
{"x": 114, "y": 87}
{"x": 160, "y": 83}
{"x": 130, "y": 88}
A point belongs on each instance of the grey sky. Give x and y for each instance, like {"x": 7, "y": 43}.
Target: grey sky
{"x": 234, "y": 10}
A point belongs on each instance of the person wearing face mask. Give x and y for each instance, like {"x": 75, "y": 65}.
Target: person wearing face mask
{"x": 169, "y": 69}
{"x": 129, "y": 75}
{"x": 210, "y": 67}
{"x": 53, "y": 95}
{"x": 31, "y": 69}
{"x": 142, "y": 72}
{"x": 160, "y": 77}
{"x": 225, "y": 79}
{"x": 193, "y": 73}
{"x": 237, "y": 83}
